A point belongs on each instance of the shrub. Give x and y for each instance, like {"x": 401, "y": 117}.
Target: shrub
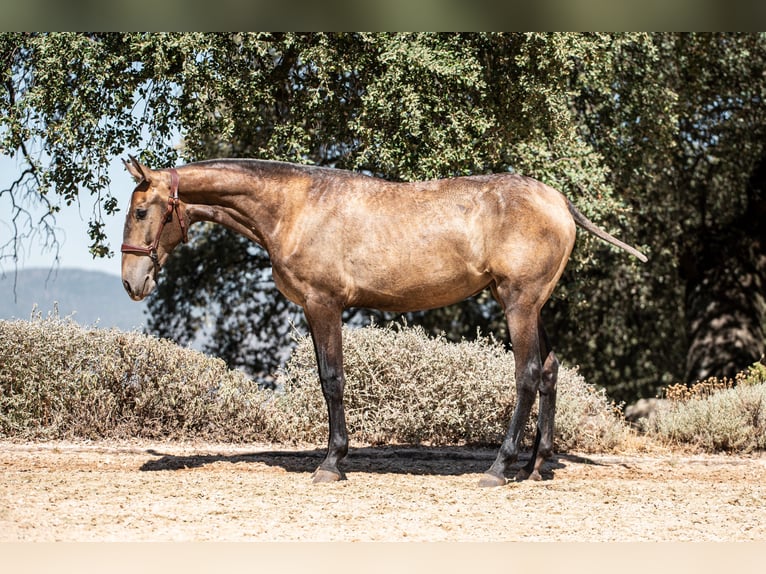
{"x": 715, "y": 414}
{"x": 60, "y": 380}
{"x": 403, "y": 386}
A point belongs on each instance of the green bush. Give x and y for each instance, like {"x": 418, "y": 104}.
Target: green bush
{"x": 59, "y": 380}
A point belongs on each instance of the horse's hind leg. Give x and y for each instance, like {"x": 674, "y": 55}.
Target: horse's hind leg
{"x": 543, "y": 447}
{"x": 523, "y": 328}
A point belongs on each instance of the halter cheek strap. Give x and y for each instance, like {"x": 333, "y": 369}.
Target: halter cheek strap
{"x": 173, "y": 207}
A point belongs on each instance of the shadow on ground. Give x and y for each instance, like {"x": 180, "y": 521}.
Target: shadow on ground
{"x": 418, "y": 460}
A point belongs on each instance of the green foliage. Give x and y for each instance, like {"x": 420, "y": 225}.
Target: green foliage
{"x": 680, "y": 131}
{"x": 402, "y": 106}
{"x": 407, "y": 106}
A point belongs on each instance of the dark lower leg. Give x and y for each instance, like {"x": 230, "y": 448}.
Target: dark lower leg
{"x": 525, "y": 329}
{"x": 546, "y": 418}
{"x": 527, "y": 471}
{"x": 337, "y": 440}
{"x": 326, "y": 332}
{"x": 509, "y": 450}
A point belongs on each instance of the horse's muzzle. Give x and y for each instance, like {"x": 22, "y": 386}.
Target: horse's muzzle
{"x": 141, "y": 288}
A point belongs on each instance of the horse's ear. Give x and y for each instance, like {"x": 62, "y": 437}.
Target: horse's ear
{"x": 139, "y": 172}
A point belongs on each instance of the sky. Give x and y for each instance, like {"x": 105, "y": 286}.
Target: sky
{"x": 72, "y": 227}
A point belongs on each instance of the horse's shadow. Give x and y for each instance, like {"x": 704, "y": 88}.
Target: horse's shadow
{"x": 400, "y": 459}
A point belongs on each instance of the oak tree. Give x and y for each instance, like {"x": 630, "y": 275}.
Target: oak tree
{"x": 657, "y": 137}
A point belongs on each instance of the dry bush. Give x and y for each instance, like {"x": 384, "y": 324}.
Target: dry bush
{"x": 714, "y": 414}
{"x": 753, "y": 375}
{"x": 59, "y": 380}
{"x": 403, "y": 386}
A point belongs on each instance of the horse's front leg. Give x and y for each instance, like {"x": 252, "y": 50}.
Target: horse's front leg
{"x": 325, "y": 325}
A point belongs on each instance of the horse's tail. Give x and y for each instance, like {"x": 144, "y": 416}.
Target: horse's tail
{"x": 591, "y": 227}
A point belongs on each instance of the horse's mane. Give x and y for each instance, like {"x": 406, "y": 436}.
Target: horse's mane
{"x": 265, "y": 167}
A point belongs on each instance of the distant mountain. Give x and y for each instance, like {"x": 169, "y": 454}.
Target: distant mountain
{"x": 90, "y": 297}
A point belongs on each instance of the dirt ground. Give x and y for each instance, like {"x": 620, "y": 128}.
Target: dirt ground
{"x": 202, "y": 492}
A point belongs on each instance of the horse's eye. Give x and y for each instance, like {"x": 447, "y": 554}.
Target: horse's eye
{"x": 140, "y": 213}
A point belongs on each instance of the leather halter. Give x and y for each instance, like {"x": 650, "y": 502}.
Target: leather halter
{"x": 173, "y": 206}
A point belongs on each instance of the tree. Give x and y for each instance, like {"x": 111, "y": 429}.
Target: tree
{"x": 693, "y": 124}
{"x": 723, "y": 262}
{"x": 655, "y": 136}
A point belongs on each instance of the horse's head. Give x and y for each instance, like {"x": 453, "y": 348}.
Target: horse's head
{"x": 147, "y": 239}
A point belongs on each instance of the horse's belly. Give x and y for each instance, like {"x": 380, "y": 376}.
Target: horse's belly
{"x": 415, "y": 289}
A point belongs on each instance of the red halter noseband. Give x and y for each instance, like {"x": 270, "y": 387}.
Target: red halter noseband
{"x": 173, "y": 206}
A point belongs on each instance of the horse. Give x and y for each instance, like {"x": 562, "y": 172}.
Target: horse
{"x": 338, "y": 239}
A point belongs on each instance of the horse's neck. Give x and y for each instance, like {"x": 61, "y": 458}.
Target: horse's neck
{"x": 243, "y": 202}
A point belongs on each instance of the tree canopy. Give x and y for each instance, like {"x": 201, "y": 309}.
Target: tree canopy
{"x": 657, "y": 137}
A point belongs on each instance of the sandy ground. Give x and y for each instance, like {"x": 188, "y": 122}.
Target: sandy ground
{"x": 203, "y": 492}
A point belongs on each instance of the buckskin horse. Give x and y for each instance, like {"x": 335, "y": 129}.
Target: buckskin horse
{"x": 340, "y": 239}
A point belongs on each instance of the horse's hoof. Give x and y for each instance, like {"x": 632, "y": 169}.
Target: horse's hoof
{"x": 525, "y": 475}
{"x": 488, "y": 480}
{"x": 321, "y": 476}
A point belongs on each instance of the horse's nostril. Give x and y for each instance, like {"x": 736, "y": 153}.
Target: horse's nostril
{"x": 127, "y": 287}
